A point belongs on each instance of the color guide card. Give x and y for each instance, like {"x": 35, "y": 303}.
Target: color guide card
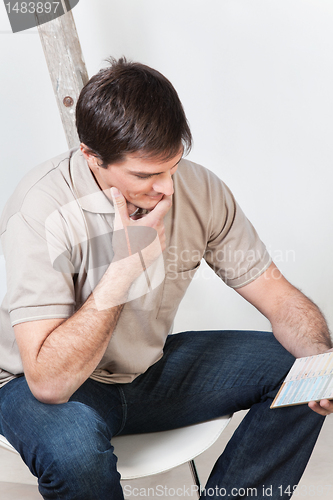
{"x": 310, "y": 379}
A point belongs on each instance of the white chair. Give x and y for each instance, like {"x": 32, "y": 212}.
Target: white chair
{"x": 141, "y": 455}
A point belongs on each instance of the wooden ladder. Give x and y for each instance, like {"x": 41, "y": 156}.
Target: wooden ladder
{"x": 66, "y": 66}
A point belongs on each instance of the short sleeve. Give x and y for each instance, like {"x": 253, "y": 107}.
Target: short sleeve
{"x": 234, "y": 250}
{"x": 35, "y": 289}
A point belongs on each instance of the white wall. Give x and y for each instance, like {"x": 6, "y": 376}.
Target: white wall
{"x": 256, "y": 80}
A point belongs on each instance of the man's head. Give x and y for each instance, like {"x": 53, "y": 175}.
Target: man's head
{"x": 131, "y": 109}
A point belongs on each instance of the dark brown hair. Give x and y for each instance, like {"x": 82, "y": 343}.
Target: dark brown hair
{"x": 130, "y": 108}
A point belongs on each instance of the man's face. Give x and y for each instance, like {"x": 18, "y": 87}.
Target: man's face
{"x": 143, "y": 182}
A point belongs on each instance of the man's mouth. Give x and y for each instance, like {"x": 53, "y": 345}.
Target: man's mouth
{"x": 155, "y": 197}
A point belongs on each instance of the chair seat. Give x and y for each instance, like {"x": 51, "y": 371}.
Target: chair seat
{"x": 4, "y": 444}
{"x": 141, "y": 455}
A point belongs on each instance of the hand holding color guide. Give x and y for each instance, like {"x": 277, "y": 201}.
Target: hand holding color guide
{"x": 310, "y": 379}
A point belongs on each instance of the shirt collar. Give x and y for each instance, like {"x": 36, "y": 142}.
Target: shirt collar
{"x": 87, "y": 191}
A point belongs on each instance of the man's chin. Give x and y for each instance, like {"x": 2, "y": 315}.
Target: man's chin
{"x": 144, "y": 206}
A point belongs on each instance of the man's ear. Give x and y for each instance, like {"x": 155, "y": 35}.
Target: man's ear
{"x": 90, "y": 158}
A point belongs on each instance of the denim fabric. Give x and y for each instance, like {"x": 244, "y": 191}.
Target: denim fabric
{"x": 202, "y": 375}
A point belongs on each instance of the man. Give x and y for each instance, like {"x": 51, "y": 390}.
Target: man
{"x": 95, "y": 243}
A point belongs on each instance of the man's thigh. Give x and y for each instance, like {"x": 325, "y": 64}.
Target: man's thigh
{"x": 26, "y": 421}
{"x": 203, "y": 375}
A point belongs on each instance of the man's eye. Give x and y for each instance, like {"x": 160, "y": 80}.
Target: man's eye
{"x": 143, "y": 176}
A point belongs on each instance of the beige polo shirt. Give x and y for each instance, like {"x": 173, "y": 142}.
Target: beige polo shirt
{"x": 56, "y": 234}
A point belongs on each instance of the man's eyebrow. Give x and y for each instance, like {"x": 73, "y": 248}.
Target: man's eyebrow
{"x": 141, "y": 172}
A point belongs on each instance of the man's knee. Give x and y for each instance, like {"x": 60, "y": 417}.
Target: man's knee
{"x": 72, "y": 432}
{"x": 74, "y": 454}
{"x": 66, "y": 446}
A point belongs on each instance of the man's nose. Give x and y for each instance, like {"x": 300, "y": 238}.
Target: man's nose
{"x": 164, "y": 184}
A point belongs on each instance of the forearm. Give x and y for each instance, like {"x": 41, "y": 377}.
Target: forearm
{"x": 72, "y": 351}
{"x": 299, "y": 325}
{"x": 296, "y": 321}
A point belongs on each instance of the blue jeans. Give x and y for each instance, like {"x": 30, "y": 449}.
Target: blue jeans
{"x": 202, "y": 375}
